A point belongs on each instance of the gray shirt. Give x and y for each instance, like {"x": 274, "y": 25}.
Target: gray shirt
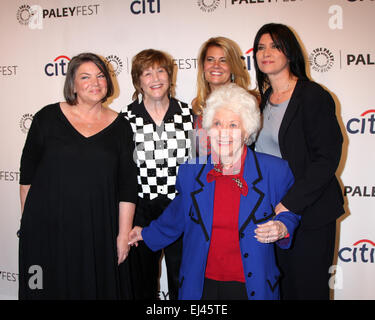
{"x": 268, "y": 137}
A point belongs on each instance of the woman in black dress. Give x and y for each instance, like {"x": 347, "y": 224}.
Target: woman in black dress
{"x": 78, "y": 189}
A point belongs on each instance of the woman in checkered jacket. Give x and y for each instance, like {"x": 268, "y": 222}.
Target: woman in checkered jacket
{"x": 162, "y": 127}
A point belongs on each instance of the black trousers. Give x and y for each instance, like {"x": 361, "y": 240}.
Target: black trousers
{"x": 224, "y": 290}
{"x": 145, "y": 264}
{"x": 305, "y": 265}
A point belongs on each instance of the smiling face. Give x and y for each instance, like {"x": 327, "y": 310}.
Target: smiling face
{"x": 90, "y": 84}
{"x": 216, "y": 68}
{"x": 270, "y": 59}
{"x": 155, "y": 83}
{"x": 227, "y": 135}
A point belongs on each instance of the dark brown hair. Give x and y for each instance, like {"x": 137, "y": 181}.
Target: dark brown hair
{"x": 287, "y": 43}
{"x": 69, "y": 94}
{"x": 149, "y": 58}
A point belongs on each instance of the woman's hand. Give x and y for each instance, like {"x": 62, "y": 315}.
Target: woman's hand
{"x": 280, "y": 208}
{"x": 126, "y": 214}
{"x": 122, "y": 248}
{"x": 135, "y": 235}
{"x": 271, "y": 231}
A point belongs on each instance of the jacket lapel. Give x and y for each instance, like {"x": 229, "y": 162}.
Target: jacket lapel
{"x": 203, "y": 195}
{"x": 250, "y": 204}
{"x": 203, "y": 199}
{"x": 289, "y": 113}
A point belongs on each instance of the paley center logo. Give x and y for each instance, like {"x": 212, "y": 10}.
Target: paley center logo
{"x": 9, "y": 175}
{"x": 186, "y": 63}
{"x": 30, "y": 16}
{"x": 57, "y": 67}
{"x": 8, "y": 276}
{"x": 362, "y": 125}
{"x": 244, "y": 2}
{"x": 114, "y": 64}
{"x": 359, "y": 191}
{"x": 8, "y": 70}
{"x": 208, "y": 5}
{"x": 25, "y": 122}
{"x": 361, "y": 59}
{"x": 321, "y": 59}
{"x": 33, "y": 15}
{"x": 361, "y": 251}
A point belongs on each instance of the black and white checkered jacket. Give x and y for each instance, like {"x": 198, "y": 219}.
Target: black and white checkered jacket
{"x": 160, "y": 150}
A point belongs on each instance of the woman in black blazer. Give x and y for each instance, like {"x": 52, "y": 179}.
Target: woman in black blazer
{"x": 300, "y": 125}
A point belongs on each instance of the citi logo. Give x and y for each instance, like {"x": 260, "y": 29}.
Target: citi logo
{"x": 248, "y": 58}
{"x": 361, "y": 251}
{"x": 58, "y": 67}
{"x": 362, "y": 125}
{"x": 145, "y": 6}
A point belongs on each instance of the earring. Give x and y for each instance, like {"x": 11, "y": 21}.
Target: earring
{"x": 140, "y": 96}
{"x": 232, "y": 77}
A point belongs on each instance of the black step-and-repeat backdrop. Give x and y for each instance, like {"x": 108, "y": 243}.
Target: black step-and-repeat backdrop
{"x": 38, "y": 38}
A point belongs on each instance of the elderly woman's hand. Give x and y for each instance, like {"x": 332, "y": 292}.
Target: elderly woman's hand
{"x": 271, "y": 231}
{"x": 135, "y": 235}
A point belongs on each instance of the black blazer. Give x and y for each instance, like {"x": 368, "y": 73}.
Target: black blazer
{"x": 310, "y": 140}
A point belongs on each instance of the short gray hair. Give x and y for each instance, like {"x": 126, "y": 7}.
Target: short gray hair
{"x": 238, "y": 100}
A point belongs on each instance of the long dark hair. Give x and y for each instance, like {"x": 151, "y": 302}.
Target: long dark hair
{"x": 288, "y": 44}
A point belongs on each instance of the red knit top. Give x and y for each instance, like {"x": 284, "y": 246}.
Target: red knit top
{"x": 224, "y": 261}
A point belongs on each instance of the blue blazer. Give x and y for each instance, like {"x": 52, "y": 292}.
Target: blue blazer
{"x": 191, "y": 213}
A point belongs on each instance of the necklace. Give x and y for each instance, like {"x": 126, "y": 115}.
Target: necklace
{"x": 270, "y": 108}
{"x": 280, "y": 95}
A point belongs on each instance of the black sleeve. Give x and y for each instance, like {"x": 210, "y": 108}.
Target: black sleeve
{"x": 128, "y": 169}
{"x": 324, "y": 143}
{"x": 32, "y": 152}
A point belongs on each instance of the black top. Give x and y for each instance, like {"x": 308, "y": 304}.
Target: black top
{"x": 70, "y": 220}
{"x": 310, "y": 139}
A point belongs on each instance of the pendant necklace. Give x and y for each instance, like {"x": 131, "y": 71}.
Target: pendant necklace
{"x": 277, "y": 98}
{"x": 270, "y": 108}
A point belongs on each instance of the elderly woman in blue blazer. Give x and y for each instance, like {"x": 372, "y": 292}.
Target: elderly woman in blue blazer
{"x": 225, "y": 209}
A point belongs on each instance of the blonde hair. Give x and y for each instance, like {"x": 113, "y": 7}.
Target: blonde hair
{"x": 235, "y": 60}
{"x": 238, "y": 100}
